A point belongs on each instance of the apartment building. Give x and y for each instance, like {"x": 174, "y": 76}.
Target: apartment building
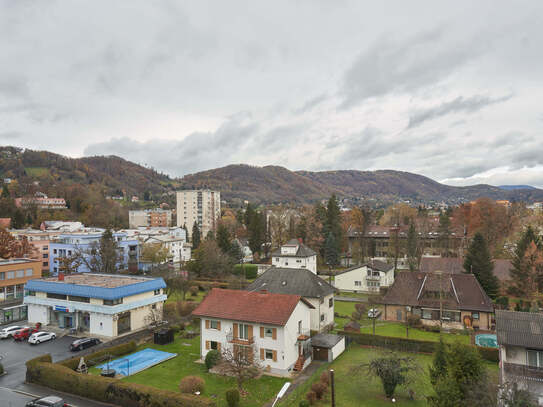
{"x": 14, "y": 273}
{"x": 202, "y": 207}
{"x": 150, "y": 218}
{"x": 41, "y": 241}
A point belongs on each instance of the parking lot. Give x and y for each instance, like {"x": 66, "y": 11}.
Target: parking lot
{"x": 14, "y": 356}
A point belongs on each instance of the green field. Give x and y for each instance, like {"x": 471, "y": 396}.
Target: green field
{"x": 354, "y": 389}
{"x": 37, "y": 171}
{"x": 167, "y": 375}
{"x": 177, "y": 296}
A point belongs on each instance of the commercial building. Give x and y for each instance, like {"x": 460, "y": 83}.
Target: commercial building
{"x": 150, "y": 218}
{"x": 14, "y": 273}
{"x": 100, "y": 304}
{"x": 69, "y": 244}
{"x": 272, "y": 329}
{"x": 202, "y": 207}
{"x": 295, "y": 255}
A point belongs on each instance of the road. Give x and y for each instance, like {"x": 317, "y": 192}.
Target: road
{"x": 13, "y": 389}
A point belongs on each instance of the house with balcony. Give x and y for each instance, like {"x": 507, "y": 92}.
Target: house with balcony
{"x": 449, "y": 299}
{"x": 304, "y": 283}
{"x": 520, "y": 339}
{"x": 295, "y": 255}
{"x": 367, "y": 278}
{"x": 272, "y": 329}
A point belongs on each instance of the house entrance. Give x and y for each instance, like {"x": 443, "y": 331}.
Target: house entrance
{"x": 123, "y": 324}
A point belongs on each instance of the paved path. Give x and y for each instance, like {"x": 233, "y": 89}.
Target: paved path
{"x": 350, "y": 299}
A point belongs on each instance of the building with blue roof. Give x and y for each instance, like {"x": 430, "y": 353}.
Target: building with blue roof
{"x": 100, "y": 304}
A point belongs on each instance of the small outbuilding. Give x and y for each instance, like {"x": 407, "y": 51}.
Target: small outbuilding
{"x": 327, "y": 347}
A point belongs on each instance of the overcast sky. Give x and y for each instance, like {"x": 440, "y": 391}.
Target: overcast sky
{"x": 450, "y": 90}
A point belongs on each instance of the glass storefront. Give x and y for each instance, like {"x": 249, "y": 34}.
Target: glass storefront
{"x": 13, "y": 314}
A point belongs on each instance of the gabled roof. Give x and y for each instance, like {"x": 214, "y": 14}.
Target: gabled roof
{"x": 376, "y": 265}
{"x": 519, "y": 329}
{"x": 460, "y": 291}
{"x": 445, "y": 264}
{"x": 303, "y": 250}
{"x": 292, "y": 281}
{"x": 247, "y": 306}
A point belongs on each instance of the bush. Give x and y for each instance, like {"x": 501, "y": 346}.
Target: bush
{"x": 232, "y": 397}
{"x": 319, "y": 389}
{"x": 185, "y": 308}
{"x": 212, "y": 358}
{"x": 194, "y": 290}
{"x": 413, "y": 321}
{"x": 100, "y": 356}
{"x": 503, "y": 302}
{"x": 1, "y": 369}
{"x": 191, "y": 384}
{"x": 250, "y": 270}
{"x": 357, "y": 316}
{"x": 325, "y": 378}
{"x": 490, "y": 354}
{"x": 303, "y": 403}
{"x": 311, "y": 397}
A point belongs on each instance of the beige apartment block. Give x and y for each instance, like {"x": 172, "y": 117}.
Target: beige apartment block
{"x": 200, "y": 206}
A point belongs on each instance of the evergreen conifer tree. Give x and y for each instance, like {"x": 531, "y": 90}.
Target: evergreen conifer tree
{"x": 479, "y": 262}
{"x": 195, "y": 236}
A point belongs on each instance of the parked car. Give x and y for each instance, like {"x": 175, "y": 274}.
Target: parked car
{"x": 10, "y": 330}
{"x": 40, "y": 337}
{"x": 374, "y": 313}
{"x": 84, "y": 343}
{"x": 23, "y": 334}
{"x": 49, "y": 401}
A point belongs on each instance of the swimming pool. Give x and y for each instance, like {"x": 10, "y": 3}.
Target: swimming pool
{"x": 486, "y": 340}
{"x": 136, "y": 362}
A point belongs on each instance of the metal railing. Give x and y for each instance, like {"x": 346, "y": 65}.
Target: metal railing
{"x": 236, "y": 339}
{"x": 526, "y": 372}
{"x": 304, "y": 335}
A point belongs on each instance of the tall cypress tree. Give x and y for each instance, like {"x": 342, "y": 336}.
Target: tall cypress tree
{"x": 412, "y": 247}
{"x": 196, "y": 237}
{"x": 479, "y": 262}
{"x": 330, "y": 249}
{"x": 444, "y": 231}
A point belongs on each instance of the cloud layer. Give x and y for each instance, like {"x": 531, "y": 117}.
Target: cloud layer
{"x": 450, "y": 91}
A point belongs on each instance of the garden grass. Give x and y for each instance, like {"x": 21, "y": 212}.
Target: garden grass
{"x": 37, "y": 171}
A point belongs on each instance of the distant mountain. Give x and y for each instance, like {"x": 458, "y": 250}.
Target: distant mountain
{"x": 514, "y": 187}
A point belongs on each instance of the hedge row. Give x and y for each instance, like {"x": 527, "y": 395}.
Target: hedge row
{"x": 62, "y": 378}
{"x": 251, "y": 270}
{"x": 101, "y": 355}
{"x": 409, "y": 345}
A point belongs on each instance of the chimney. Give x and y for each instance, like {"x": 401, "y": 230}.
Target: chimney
{"x": 60, "y": 276}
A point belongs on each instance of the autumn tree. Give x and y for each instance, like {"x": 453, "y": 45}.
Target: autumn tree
{"x": 279, "y": 222}
{"x": 399, "y": 214}
{"x": 102, "y": 256}
{"x": 241, "y": 363}
{"x": 491, "y": 220}
{"x": 479, "y": 262}
{"x": 209, "y": 261}
{"x": 224, "y": 240}
{"x": 154, "y": 253}
{"x": 13, "y": 248}
{"x": 520, "y": 271}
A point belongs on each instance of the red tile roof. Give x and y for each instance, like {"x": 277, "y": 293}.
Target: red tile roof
{"x": 237, "y": 305}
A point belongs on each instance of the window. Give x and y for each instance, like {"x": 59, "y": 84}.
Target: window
{"x": 56, "y": 296}
{"x": 475, "y": 315}
{"x": 45, "y": 264}
{"x": 54, "y": 251}
{"x": 20, "y": 273}
{"x": 45, "y": 248}
{"x": 11, "y": 274}
{"x": 113, "y": 302}
{"x": 426, "y": 314}
{"x": 213, "y": 324}
{"x": 269, "y": 354}
{"x": 322, "y": 317}
{"x": 213, "y": 345}
{"x": 31, "y": 293}
{"x": 2, "y": 275}
{"x": 298, "y": 261}
{"x": 244, "y": 331}
{"x": 534, "y": 358}
{"x": 268, "y": 332}
{"x": 358, "y": 283}
{"x": 322, "y": 300}
{"x": 44, "y": 255}
{"x": 28, "y": 272}
{"x": 277, "y": 259}
{"x": 157, "y": 292}
{"x": 78, "y": 298}
{"x": 330, "y": 302}
{"x": 451, "y": 316}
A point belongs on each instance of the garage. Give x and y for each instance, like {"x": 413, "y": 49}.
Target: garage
{"x": 327, "y": 347}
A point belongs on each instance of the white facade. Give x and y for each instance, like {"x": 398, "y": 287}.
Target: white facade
{"x": 198, "y": 206}
{"x": 364, "y": 279}
{"x": 276, "y": 348}
{"x": 295, "y": 255}
{"x": 178, "y": 249}
{"x": 323, "y": 314}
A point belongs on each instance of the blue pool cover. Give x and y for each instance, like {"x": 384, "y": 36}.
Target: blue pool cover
{"x": 486, "y": 340}
{"x": 136, "y": 362}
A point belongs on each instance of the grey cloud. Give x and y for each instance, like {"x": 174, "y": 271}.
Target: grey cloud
{"x": 459, "y": 105}
{"x": 10, "y": 135}
{"x": 311, "y": 103}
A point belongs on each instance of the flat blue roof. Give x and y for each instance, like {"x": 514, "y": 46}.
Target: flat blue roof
{"x": 106, "y": 293}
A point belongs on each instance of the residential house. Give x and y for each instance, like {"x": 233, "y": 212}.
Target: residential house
{"x": 295, "y": 255}
{"x": 99, "y": 304}
{"x": 272, "y": 328}
{"x": 304, "y": 283}
{"x": 178, "y": 249}
{"x": 520, "y": 338}
{"x": 453, "y": 300}
{"x": 367, "y": 278}
{"x": 42, "y": 202}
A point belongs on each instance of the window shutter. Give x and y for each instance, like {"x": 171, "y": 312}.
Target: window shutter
{"x": 250, "y": 331}
{"x": 219, "y": 325}
{"x": 219, "y": 347}
{"x": 275, "y": 356}
{"x": 208, "y": 345}
{"x": 262, "y": 332}
{"x": 274, "y": 333}
{"x": 236, "y": 331}
{"x": 207, "y": 323}
{"x": 261, "y": 354}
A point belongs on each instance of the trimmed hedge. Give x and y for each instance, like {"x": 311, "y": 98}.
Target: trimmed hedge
{"x": 251, "y": 270}
{"x": 410, "y": 345}
{"x": 99, "y": 356}
{"x": 62, "y": 378}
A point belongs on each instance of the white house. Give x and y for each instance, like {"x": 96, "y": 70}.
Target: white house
{"x": 271, "y": 328}
{"x": 178, "y": 249}
{"x": 368, "y": 278}
{"x": 246, "y": 251}
{"x": 100, "y": 304}
{"x": 301, "y": 282}
{"x": 295, "y": 254}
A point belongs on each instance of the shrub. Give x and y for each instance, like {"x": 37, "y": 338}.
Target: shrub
{"x": 413, "y": 321}
{"x": 250, "y": 270}
{"x": 1, "y": 369}
{"x": 311, "y": 397}
{"x": 191, "y": 384}
{"x": 325, "y": 378}
{"x": 303, "y": 403}
{"x": 319, "y": 389}
{"x": 100, "y": 356}
{"x": 185, "y": 308}
{"x": 357, "y": 316}
{"x": 194, "y": 290}
{"x": 361, "y": 308}
{"x": 212, "y": 358}
{"x": 232, "y": 397}
{"x": 503, "y": 302}
{"x": 490, "y": 354}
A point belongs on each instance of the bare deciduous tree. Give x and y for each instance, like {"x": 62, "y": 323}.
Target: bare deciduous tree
{"x": 240, "y": 362}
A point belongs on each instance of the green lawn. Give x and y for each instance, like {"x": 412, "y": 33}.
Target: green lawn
{"x": 178, "y": 296}
{"x": 354, "y": 389}
{"x": 167, "y": 375}
{"x": 37, "y": 171}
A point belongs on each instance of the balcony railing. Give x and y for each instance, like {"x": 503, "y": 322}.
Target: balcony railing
{"x": 523, "y": 371}
{"x": 373, "y": 278}
{"x": 240, "y": 341}
{"x": 304, "y": 335}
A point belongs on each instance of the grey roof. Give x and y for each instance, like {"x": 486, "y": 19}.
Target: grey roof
{"x": 324, "y": 340}
{"x": 519, "y": 329}
{"x": 292, "y": 281}
{"x": 372, "y": 264}
{"x": 303, "y": 250}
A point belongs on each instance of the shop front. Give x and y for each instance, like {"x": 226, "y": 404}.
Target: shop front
{"x": 13, "y": 314}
